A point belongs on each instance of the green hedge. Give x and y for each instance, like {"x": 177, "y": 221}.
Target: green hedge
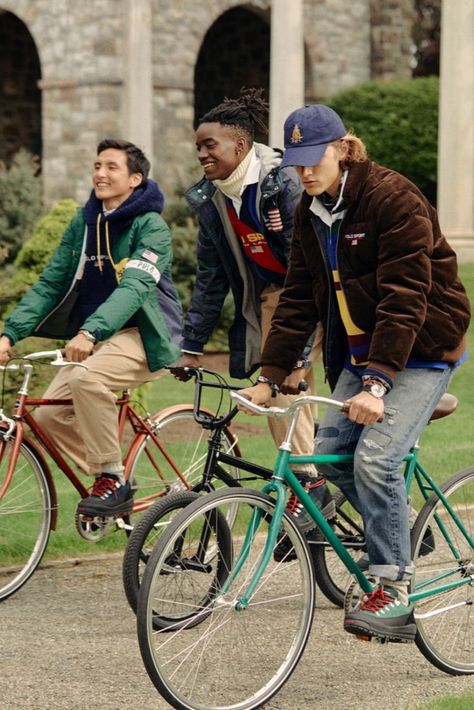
{"x": 20, "y": 202}
{"x": 398, "y": 122}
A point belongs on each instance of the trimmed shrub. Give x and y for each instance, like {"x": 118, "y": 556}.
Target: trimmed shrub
{"x": 398, "y": 122}
{"x": 35, "y": 254}
{"x": 20, "y": 202}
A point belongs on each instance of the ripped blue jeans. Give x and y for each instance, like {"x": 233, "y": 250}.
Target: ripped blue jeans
{"x": 374, "y": 484}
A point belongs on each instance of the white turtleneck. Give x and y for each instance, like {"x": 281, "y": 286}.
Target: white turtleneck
{"x": 246, "y": 173}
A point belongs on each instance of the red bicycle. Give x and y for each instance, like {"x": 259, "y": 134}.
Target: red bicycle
{"x": 163, "y": 452}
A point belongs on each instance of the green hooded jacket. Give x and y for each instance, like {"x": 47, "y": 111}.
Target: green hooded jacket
{"x": 145, "y": 291}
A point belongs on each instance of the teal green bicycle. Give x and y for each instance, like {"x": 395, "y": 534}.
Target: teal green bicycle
{"x": 222, "y": 624}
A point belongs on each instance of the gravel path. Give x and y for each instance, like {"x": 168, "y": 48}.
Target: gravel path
{"x": 68, "y": 642}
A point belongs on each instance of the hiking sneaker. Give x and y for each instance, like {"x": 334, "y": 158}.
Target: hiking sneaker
{"x": 108, "y": 497}
{"x": 320, "y": 494}
{"x": 382, "y": 615}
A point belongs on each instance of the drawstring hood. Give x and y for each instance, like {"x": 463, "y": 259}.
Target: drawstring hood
{"x": 147, "y": 197}
{"x": 107, "y": 246}
{"x": 102, "y": 274}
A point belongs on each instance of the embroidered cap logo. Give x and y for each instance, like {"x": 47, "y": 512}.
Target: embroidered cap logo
{"x": 296, "y": 136}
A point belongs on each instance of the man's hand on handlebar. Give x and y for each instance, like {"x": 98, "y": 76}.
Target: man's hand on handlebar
{"x": 78, "y": 348}
{"x": 292, "y": 384}
{"x": 186, "y": 360}
{"x": 5, "y": 350}
{"x": 260, "y": 394}
{"x": 364, "y": 408}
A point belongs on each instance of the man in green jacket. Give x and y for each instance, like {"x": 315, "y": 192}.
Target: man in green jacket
{"x": 108, "y": 290}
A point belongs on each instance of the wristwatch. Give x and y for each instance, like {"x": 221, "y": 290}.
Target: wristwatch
{"x": 274, "y": 387}
{"x": 374, "y": 386}
{"x": 87, "y": 335}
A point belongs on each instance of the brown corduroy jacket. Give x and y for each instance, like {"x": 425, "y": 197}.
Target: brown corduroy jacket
{"x": 398, "y": 273}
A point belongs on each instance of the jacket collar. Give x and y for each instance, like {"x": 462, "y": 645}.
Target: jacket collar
{"x": 203, "y": 191}
{"x": 356, "y": 179}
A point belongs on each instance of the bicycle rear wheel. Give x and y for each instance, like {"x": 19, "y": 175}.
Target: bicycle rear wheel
{"x": 209, "y": 653}
{"x": 445, "y": 621}
{"x": 332, "y": 576}
{"x": 25, "y": 517}
{"x": 178, "y": 465}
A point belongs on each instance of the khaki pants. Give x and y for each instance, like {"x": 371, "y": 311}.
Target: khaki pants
{"x": 88, "y": 431}
{"x": 303, "y": 439}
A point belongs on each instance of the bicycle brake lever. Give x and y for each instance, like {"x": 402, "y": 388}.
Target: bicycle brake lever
{"x": 61, "y": 362}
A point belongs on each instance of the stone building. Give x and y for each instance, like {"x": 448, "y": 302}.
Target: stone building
{"x": 72, "y": 72}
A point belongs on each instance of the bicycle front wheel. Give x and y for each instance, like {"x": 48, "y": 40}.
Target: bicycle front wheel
{"x": 25, "y": 517}
{"x": 176, "y": 463}
{"x": 444, "y": 553}
{"x": 213, "y": 652}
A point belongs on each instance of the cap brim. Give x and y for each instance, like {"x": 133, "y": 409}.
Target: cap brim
{"x": 304, "y": 155}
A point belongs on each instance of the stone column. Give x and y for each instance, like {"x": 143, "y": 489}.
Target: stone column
{"x": 456, "y": 127}
{"x": 286, "y": 64}
{"x": 138, "y": 79}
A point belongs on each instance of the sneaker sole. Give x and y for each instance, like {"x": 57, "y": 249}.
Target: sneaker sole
{"x": 398, "y": 634}
{"x": 122, "y": 509}
{"x": 329, "y": 511}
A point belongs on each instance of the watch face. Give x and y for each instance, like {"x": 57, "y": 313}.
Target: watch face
{"x": 377, "y": 390}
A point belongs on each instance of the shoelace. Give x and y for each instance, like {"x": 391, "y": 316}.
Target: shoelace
{"x": 294, "y": 505}
{"x": 377, "y": 600}
{"x": 102, "y": 485}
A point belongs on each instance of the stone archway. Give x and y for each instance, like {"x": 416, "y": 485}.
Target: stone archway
{"x": 235, "y": 52}
{"x": 20, "y": 97}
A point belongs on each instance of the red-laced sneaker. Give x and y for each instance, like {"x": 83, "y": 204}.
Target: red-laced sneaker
{"x": 383, "y": 615}
{"x": 108, "y": 497}
{"x": 320, "y": 494}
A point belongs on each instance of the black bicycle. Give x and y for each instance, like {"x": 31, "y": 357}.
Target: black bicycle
{"x": 206, "y": 451}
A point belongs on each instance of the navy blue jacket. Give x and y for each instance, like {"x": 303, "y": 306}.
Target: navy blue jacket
{"x": 218, "y": 271}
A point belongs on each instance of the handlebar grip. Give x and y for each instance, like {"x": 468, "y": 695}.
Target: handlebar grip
{"x": 303, "y": 386}
{"x": 345, "y": 409}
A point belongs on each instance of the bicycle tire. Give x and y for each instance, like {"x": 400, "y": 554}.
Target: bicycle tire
{"x": 25, "y": 517}
{"x": 445, "y": 624}
{"x": 229, "y": 657}
{"x": 153, "y": 475}
{"x": 332, "y": 576}
{"x": 144, "y": 537}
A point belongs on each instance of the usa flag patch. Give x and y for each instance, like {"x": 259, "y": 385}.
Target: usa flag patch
{"x": 150, "y": 255}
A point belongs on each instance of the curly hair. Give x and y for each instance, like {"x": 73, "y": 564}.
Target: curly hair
{"x": 356, "y": 150}
{"x": 244, "y": 114}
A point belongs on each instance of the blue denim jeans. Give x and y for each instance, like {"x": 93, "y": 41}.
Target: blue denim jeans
{"x": 374, "y": 483}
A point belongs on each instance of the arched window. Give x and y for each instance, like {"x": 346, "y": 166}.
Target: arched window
{"x": 235, "y": 53}
{"x": 20, "y": 97}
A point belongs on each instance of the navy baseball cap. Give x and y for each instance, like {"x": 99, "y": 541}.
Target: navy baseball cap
{"x": 308, "y": 132}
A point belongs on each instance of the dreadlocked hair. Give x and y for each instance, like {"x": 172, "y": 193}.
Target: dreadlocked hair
{"x": 244, "y": 114}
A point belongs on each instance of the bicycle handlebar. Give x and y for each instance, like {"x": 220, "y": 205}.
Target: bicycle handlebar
{"x": 56, "y": 357}
{"x": 281, "y": 411}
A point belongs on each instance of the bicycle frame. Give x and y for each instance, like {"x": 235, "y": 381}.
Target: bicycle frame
{"x": 284, "y": 478}
{"x": 22, "y": 419}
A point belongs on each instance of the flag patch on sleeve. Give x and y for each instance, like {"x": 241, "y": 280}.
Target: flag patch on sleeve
{"x": 150, "y": 255}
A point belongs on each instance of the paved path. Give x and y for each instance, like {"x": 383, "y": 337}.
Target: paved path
{"x": 68, "y": 642}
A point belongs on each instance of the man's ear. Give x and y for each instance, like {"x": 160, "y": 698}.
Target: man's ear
{"x": 136, "y": 179}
